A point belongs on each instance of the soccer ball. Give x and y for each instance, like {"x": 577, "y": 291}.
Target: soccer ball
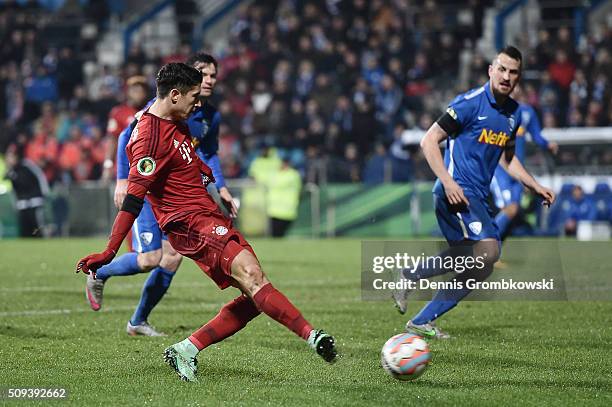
{"x": 405, "y": 356}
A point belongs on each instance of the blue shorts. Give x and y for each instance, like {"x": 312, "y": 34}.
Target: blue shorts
{"x": 505, "y": 189}
{"x": 146, "y": 234}
{"x": 459, "y": 223}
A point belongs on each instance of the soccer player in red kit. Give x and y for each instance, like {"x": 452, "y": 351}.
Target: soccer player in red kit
{"x": 164, "y": 164}
{"x": 137, "y": 94}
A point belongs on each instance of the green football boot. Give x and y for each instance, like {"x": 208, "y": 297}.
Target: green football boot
{"x": 324, "y": 344}
{"x": 184, "y": 365}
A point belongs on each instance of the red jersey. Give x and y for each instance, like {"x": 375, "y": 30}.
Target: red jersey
{"x": 119, "y": 118}
{"x": 163, "y": 161}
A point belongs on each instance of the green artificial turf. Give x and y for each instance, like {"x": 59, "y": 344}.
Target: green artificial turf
{"x": 502, "y": 353}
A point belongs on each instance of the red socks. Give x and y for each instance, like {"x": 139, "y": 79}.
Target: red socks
{"x": 236, "y": 314}
{"x": 231, "y": 318}
{"x": 274, "y": 304}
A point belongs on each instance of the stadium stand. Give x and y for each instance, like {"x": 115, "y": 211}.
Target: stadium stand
{"x": 331, "y": 83}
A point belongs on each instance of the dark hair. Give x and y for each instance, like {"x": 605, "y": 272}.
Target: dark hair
{"x": 177, "y": 75}
{"x": 202, "y": 57}
{"x": 512, "y": 52}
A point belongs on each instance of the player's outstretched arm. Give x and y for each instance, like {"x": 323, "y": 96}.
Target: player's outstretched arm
{"x": 516, "y": 170}
{"x": 228, "y": 201}
{"x": 535, "y": 129}
{"x": 130, "y": 209}
{"x": 431, "y": 150}
{"x": 212, "y": 161}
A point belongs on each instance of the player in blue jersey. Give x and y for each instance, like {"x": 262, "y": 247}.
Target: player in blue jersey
{"x": 479, "y": 128}
{"x": 151, "y": 250}
{"x": 506, "y": 190}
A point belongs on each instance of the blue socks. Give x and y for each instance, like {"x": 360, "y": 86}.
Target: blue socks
{"x": 124, "y": 265}
{"x": 441, "y": 303}
{"x": 503, "y": 222}
{"x": 154, "y": 289}
{"x": 446, "y": 299}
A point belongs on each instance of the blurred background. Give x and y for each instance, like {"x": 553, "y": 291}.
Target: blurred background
{"x": 333, "y": 94}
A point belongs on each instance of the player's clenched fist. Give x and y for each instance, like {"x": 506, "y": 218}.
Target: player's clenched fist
{"x": 546, "y": 194}
{"x": 94, "y": 261}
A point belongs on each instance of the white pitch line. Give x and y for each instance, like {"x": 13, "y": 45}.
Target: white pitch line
{"x": 33, "y": 313}
{"x": 163, "y": 309}
{"x": 130, "y": 286}
{"x": 50, "y": 288}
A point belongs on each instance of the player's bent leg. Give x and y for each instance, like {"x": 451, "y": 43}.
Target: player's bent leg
{"x": 511, "y": 210}
{"x": 155, "y": 287}
{"x": 453, "y": 231}
{"x": 232, "y": 317}
{"x": 249, "y": 277}
{"x": 147, "y": 261}
{"x": 445, "y": 300}
{"x": 400, "y": 295}
{"x": 506, "y": 216}
{"x": 247, "y": 272}
{"x": 171, "y": 259}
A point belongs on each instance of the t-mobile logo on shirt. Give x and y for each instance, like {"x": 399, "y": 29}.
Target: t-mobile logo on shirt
{"x": 185, "y": 152}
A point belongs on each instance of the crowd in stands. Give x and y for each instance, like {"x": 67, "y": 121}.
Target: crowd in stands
{"x": 45, "y": 109}
{"x": 333, "y": 84}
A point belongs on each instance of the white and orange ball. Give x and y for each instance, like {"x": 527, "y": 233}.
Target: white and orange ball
{"x": 405, "y": 356}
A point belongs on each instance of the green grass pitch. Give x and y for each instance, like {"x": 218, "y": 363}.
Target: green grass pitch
{"x": 534, "y": 353}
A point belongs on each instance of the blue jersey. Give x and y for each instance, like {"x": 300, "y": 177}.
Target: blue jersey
{"x": 505, "y": 188}
{"x": 204, "y": 128}
{"x": 484, "y": 130}
{"x": 530, "y": 126}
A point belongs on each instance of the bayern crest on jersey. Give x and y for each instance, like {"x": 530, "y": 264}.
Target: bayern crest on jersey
{"x": 221, "y": 230}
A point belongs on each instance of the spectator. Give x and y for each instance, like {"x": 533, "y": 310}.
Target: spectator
{"x": 377, "y": 167}
{"x": 284, "y": 186}
{"x": 137, "y": 94}
{"x": 348, "y": 168}
{"x": 580, "y": 208}
{"x": 311, "y": 76}
{"x": 562, "y": 70}
{"x": 42, "y": 87}
{"x": 30, "y": 187}
{"x": 69, "y": 72}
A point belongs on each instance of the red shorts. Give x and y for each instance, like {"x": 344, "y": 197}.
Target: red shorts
{"x": 210, "y": 241}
